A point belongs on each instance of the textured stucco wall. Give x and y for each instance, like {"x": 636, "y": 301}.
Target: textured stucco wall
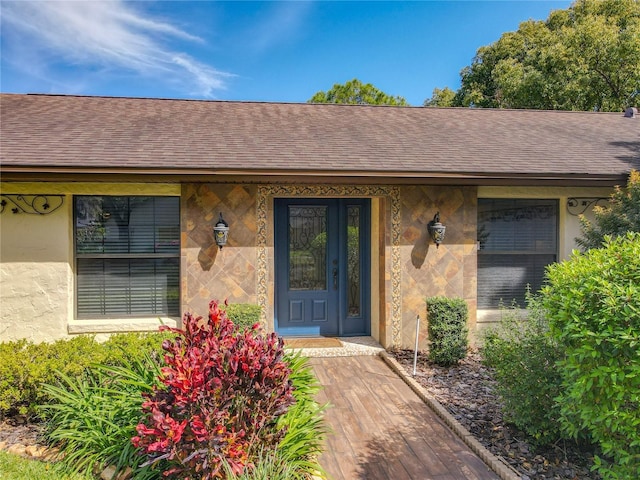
{"x": 35, "y": 275}
{"x": 36, "y": 265}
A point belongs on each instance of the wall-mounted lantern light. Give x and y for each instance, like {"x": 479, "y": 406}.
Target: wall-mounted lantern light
{"x": 436, "y": 230}
{"x": 221, "y": 232}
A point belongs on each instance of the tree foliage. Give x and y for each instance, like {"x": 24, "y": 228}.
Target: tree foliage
{"x": 584, "y": 58}
{"x": 622, "y": 215}
{"x": 358, "y": 93}
{"x": 441, "y": 98}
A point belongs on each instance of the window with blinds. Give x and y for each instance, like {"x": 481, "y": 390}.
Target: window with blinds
{"x": 127, "y": 253}
{"x": 517, "y": 239}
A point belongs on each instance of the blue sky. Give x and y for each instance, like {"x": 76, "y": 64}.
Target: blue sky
{"x": 255, "y": 51}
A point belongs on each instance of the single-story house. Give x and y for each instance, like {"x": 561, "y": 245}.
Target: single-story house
{"x": 108, "y": 207}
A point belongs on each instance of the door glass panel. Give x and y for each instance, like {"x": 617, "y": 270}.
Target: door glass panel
{"x": 353, "y": 261}
{"x": 308, "y": 248}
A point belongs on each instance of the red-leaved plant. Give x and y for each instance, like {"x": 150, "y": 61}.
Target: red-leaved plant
{"x": 222, "y": 392}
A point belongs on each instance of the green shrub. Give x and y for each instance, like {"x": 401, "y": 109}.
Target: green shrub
{"x": 243, "y": 315}
{"x": 92, "y": 418}
{"x": 124, "y": 348}
{"x": 593, "y": 303}
{"x": 447, "y": 329}
{"x": 523, "y": 356}
{"x": 622, "y": 215}
{"x": 25, "y": 366}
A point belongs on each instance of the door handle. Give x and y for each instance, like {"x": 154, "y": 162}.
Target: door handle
{"x": 335, "y": 278}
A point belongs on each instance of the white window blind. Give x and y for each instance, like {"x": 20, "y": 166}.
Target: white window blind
{"x": 517, "y": 238}
{"x": 127, "y": 256}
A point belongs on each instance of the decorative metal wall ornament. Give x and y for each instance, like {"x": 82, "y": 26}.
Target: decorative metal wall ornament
{"x": 221, "y": 232}
{"x": 436, "y": 229}
{"x": 577, "y": 206}
{"x": 32, "y": 204}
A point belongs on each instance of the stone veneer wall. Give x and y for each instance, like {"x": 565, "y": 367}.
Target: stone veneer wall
{"x": 413, "y": 269}
{"x": 451, "y": 269}
{"x": 207, "y": 272}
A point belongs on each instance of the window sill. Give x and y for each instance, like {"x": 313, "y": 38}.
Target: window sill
{"x": 493, "y": 316}
{"x": 110, "y": 325}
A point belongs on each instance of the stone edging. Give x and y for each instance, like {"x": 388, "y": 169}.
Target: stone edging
{"x": 504, "y": 471}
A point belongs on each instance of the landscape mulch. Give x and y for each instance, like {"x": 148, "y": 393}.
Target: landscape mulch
{"x": 468, "y": 392}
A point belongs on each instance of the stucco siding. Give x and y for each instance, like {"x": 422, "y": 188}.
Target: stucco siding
{"x": 35, "y": 273}
{"x": 36, "y": 265}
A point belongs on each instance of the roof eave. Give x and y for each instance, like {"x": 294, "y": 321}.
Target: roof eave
{"x": 199, "y": 175}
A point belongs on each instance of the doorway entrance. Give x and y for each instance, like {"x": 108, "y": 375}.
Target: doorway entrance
{"x": 322, "y": 266}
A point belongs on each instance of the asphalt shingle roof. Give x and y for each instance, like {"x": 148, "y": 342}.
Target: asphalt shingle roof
{"x": 50, "y": 132}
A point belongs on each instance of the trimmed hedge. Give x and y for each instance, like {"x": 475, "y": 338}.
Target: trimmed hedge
{"x": 25, "y": 366}
{"x": 448, "y": 340}
{"x": 243, "y": 315}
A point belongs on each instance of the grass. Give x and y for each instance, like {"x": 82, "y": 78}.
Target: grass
{"x": 13, "y": 467}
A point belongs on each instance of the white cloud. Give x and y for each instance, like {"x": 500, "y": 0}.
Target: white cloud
{"x": 282, "y": 22}
{"x": 110, "y": 36}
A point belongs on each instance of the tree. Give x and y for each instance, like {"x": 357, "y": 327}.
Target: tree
{"x": 622, "y": 215}
{"x": 584, "y": 58}
{"x": 441, "y": 98}
{"x": 355, "y": 92}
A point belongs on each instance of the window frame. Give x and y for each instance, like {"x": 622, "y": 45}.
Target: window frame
{"x": 555, "y": 252}
{"x": 124, "y": 256}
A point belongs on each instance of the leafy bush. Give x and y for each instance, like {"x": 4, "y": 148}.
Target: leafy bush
{"x": 222, "y": 391}
{"x": 92, "y": 418}
{"x": 447, "y": 329}
{"x": 243, "y": 315}
{"x": 523, "y": 356}
{"x": 622, "y": 215}
{"x": 25, "y": 366}
{"x": 593, "y": 303}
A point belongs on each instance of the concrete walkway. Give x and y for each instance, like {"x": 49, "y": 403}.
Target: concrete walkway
{"x": 382, "y": 430}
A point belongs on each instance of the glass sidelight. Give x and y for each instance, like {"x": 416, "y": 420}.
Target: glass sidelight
{"x": 353, "y": 261}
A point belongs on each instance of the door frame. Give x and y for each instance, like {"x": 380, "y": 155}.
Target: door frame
{"x": 345, "y": 325}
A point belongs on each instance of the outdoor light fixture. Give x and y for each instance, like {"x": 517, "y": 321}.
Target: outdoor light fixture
{"x": 221, "y": 232}
{"x": 436, "y": 230}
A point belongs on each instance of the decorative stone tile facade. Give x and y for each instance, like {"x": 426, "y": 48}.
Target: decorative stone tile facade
{"x": 207, "y": 272}
{"x": 410, "y": 267}
{"x": 449, "y": 270}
